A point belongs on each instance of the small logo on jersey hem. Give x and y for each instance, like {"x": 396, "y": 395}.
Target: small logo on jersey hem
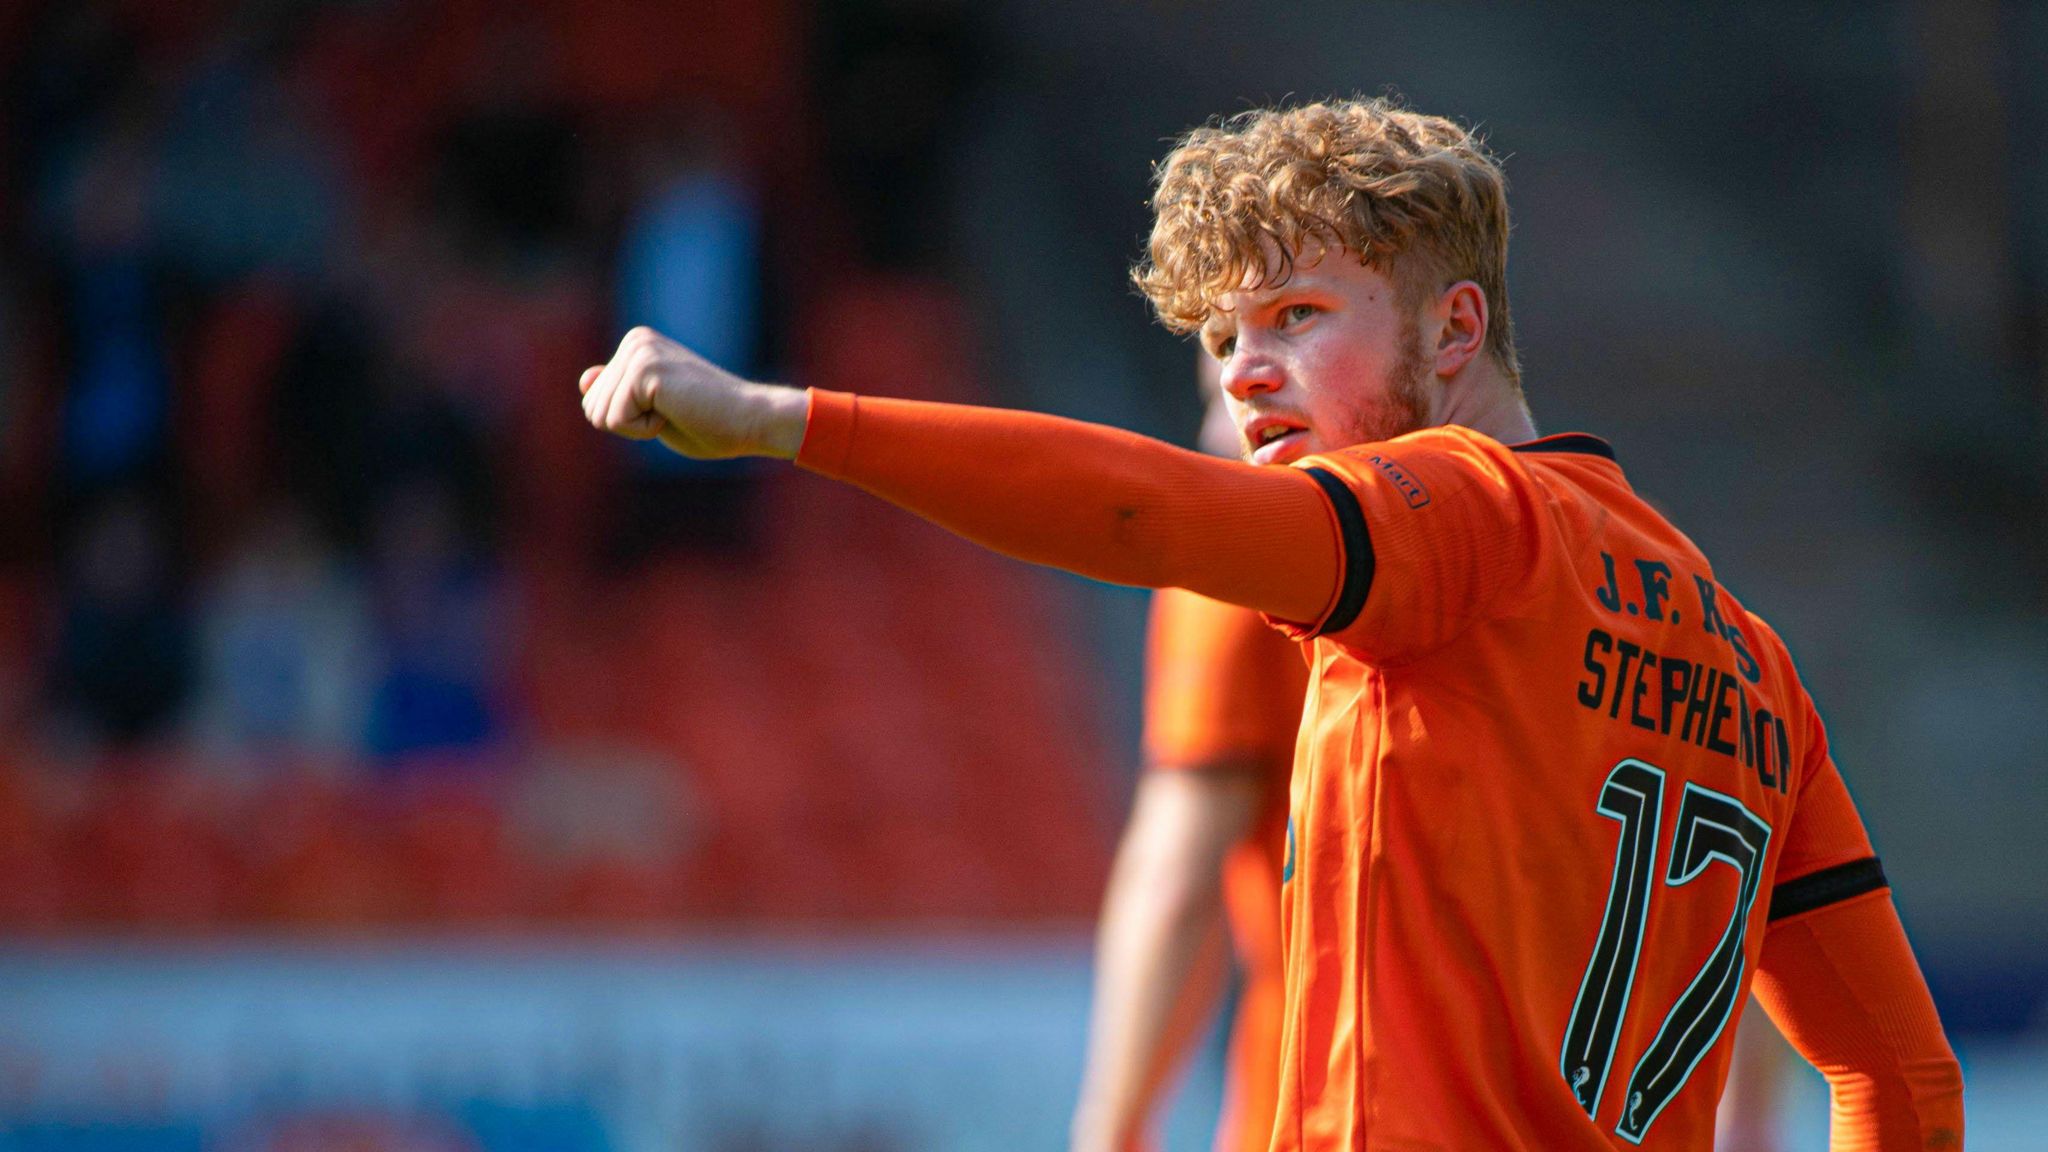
{"x": 1408, "y": 486}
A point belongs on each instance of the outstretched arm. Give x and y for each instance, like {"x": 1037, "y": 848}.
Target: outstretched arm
{"x": 1093, "y": 500}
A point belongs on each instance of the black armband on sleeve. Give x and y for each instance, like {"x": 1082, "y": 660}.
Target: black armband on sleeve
{"x": 1827, "y": 886}
{"x": 1357, "y": 546}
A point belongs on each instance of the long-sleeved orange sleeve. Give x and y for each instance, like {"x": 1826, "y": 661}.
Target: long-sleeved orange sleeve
{"x": 1098, "y": 501}
{"x": 1842, "y": 984}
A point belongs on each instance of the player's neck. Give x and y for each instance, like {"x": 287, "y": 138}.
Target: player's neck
{"x": 1491, "y": 404}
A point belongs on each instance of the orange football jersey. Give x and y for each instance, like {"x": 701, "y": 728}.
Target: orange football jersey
{"x": 1550, "y": 786}
{"x": 1224, "y": 691}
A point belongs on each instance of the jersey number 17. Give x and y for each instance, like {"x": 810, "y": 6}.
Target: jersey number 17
{"x": 1711, "y": 826}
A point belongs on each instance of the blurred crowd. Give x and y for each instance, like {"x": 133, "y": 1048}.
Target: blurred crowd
{"x": 302, "y": 534}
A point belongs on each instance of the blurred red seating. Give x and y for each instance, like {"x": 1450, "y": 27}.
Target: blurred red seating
{"x": 146, "y": 854}
{"x": 449, "y": 843}
{"x": 868, "y": 721}
{"x": 35, "y": 881}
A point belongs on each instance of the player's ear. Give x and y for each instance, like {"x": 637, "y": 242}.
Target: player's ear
{"x": 1461, "y": 335}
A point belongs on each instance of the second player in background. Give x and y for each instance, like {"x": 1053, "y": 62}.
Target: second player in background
{"x": 1204, "y": 848}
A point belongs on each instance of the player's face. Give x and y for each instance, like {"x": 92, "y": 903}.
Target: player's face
{"x": 1326, "y": 360}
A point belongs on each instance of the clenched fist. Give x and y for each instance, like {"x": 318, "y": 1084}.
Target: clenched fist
{"x": 655, "y": 387}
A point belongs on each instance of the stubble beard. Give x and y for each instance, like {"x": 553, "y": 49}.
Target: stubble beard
{"x": 1403, "y": 405}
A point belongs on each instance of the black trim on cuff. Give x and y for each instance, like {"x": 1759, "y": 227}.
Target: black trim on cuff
{"x": 1827, "y": 886}
{"x": 1579, "y": 442}
{"x": 1357, "y": 544}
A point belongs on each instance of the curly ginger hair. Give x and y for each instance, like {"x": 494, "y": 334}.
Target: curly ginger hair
{"x": 1416, "y": 197}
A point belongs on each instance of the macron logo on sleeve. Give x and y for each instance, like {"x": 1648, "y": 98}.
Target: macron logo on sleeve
{"x": 1408, "y": 486}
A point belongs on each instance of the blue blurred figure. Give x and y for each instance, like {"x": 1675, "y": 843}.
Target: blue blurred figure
{"x": 689, "y": 263}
